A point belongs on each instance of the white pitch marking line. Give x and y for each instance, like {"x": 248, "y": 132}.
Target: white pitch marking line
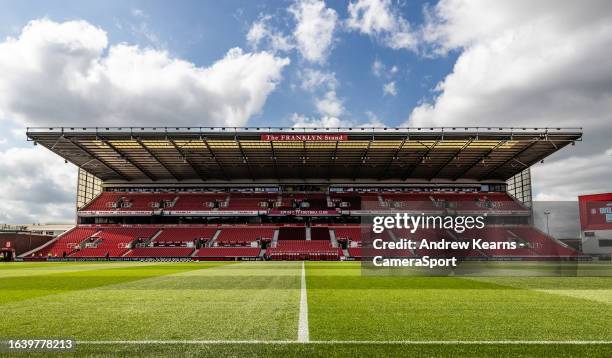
{"x": 303, "y": 330}
{"x": 406, "y": 342}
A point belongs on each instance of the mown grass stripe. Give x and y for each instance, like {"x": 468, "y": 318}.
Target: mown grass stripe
{"x": 406, "y": 342}
{"x": 26, "y": 288}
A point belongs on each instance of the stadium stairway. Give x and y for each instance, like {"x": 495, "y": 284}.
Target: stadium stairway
{"x": 212, "y": 241}
{"x": 96, "y": 242}
{"x": 396, "y": 236}
{"x": 274, "y": 239}
{"x": 76, "y": 236}
{"x": 521, "y": 240}
{"x": 308, "y": 233}
{"x": 381, "y": 201}
{"x": 549, "y": 246}
{"x": 332, "y": 238}
{"x": 392, "y": 235}
{"x": 152, "y": 238}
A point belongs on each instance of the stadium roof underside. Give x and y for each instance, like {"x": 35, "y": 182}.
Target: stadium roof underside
{"x": 160, "y": 155}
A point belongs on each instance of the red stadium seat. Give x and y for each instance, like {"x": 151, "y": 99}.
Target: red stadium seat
{"x": 114, "y": 242}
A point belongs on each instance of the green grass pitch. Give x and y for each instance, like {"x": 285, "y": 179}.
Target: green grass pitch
{"x": 253, "y": 309}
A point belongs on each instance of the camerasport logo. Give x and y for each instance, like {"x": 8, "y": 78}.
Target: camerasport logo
{"x": 303, "y": 137}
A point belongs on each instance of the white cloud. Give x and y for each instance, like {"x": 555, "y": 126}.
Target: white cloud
{"x": 377, "y": 19}
{"x": 330, "y": 105}
{"x": 301, "y": 121}
{"x": 378, "y": 68}
{"x": 528, "y": 64}
{"x": 87, "y": 82}
{"x": 262, "y": 34}
{"x": 38, "y": 187}
{"x": 258, "y": 32}
{"x": 144, "y": 32}
{"x": 314, "y": 29}
{"x": 564, "y": 180}
{"x": 383, "y": 72}
{"x": 66, "y": 74}
{"x": 313, "y": 79}
{"x": 390, "y": 89}
{"x": 139, "y": 13}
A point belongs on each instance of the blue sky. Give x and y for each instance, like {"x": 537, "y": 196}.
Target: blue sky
{"x": 203, "y": 31}
{"x": 301, "y": 63}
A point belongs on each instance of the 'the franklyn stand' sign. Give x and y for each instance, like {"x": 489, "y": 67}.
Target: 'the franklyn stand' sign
{"x": 303, "y": 137}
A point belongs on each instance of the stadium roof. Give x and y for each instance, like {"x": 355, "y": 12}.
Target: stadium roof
{"x": 195, "y": 154}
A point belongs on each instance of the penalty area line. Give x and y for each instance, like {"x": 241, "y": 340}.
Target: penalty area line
{"x": 347, "y": 342}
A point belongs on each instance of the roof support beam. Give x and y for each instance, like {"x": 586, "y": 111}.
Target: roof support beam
{"x": 274, "y": 160}
{"x": 423, "y": 156}
{"x": 183, "y": 154}
{"x": 159, "y": 161}
{"x": 125, "y": 157}
{"x": 435, "y": 174}
{"x": 304, "y": 159}
{"x": 385, "y": 169}
{"x": 214, "y": 156}
{"x": 485, "y": 156}
{"x": 513, "y": 157}
{"x": 364, "y": 157}
{"x": 100, "y": 160}
{"x": 245, "y": 159}
{"x": 333, "y": 163}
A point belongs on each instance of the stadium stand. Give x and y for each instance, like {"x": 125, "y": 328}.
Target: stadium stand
{"x": 355, "y": 252}
{"x": 117, "y": 201}
{"x": 243, "y": 235}
{"x": 282, "y": 195}
{"x": 199, "y": 201}
{"x": 181, "y": 236}
{"x": 409, "y": 201}
{"x": 477, "y": 201}
{"x": 250, "y": 202}
{"x": 319, "y": 233}
{"x": 67, "y": 243}
{"x": 495, "y": 235}
{"x": 347, "y": 201}
{"x": 347, "y": 233}
{"x": 542, "y": 244}
{"x": 291, "y": 233}
{"x": 113, "y": 242}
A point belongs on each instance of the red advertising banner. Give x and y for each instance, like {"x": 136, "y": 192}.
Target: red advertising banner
{"x": 596, "y": 211}
{"x": 303, "y": 137}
